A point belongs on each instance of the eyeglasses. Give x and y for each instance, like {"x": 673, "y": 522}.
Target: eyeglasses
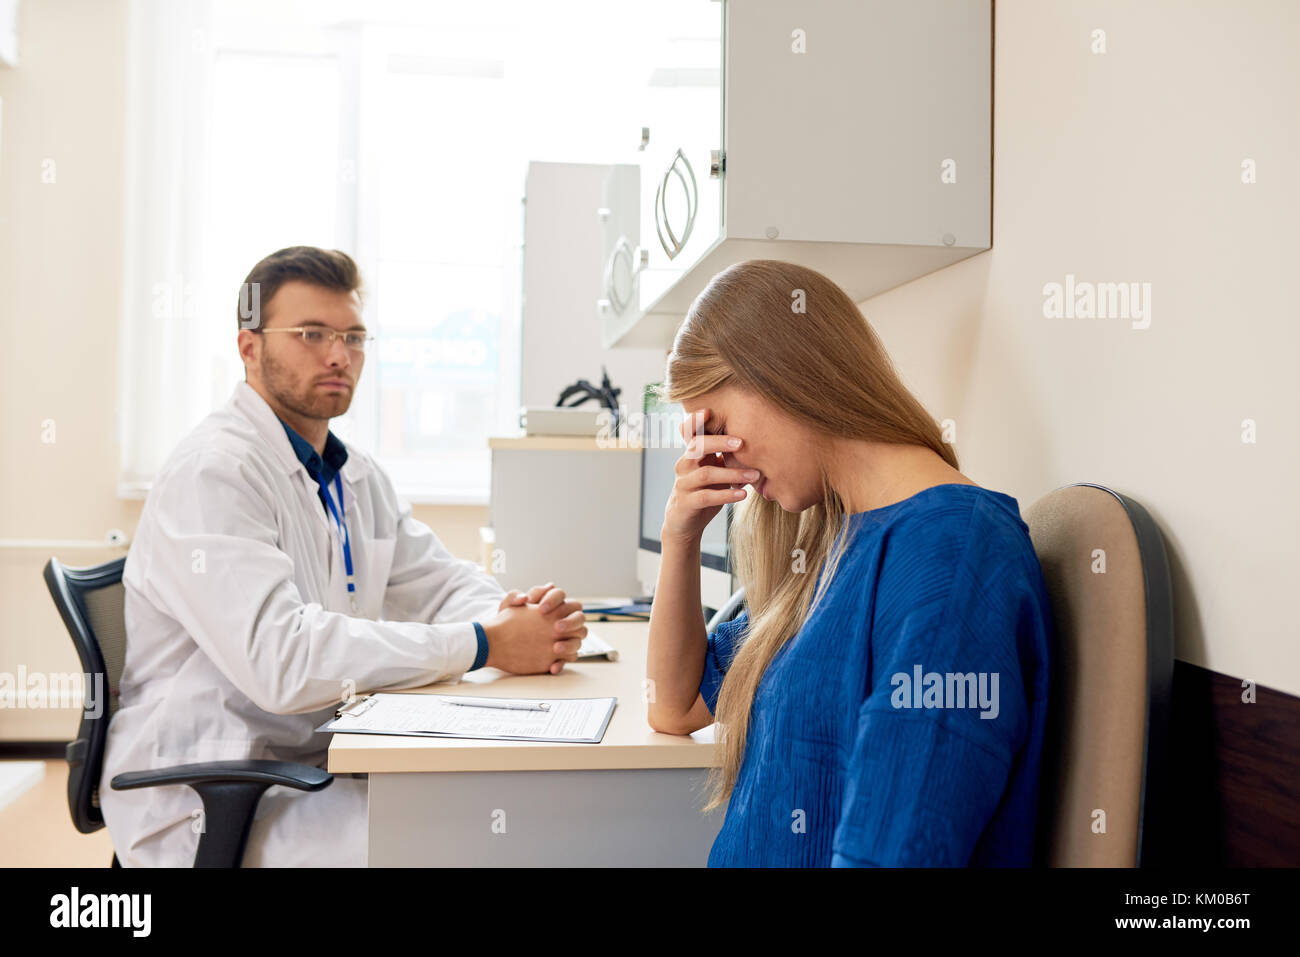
{"x": 323, "y": 339}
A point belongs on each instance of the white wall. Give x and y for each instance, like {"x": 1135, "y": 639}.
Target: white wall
{"x": 61, "y": 175}
{"x": 1126, "y": 166}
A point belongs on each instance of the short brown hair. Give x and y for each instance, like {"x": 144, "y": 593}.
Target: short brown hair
{"x": 327, "y": 268}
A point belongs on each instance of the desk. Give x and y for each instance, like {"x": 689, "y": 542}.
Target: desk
{"x": 632, "y": 800}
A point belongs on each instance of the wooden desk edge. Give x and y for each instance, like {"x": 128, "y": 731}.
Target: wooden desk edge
{"x": 418, "y": 757}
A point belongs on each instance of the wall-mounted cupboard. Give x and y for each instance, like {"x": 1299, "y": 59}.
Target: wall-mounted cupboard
{"x": 851, "y": 137}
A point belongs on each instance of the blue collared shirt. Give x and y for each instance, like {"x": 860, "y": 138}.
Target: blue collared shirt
{"x": 323, "y": 468}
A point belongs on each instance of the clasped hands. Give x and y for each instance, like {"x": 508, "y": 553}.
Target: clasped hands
{"x": 535, "y": 631}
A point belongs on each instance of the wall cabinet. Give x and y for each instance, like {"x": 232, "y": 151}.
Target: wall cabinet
{"x": 853, "y": 138}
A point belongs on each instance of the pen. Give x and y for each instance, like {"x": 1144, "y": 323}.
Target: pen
{"x": 509, "y": 706}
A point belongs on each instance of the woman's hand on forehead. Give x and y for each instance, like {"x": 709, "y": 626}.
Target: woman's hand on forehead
{"x": 692, "y": 424}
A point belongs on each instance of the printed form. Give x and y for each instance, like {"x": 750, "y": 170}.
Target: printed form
{"x": 577, "y": 720}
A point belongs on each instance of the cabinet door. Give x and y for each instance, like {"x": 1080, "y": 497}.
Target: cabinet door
{"x": 620, "y": 217}
{"x": 681, "y": 108}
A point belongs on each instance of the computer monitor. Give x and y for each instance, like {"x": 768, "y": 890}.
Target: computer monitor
{"x": 659, "y": 455}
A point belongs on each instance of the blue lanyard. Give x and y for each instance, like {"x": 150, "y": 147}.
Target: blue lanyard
{"x": 343, "y": 529}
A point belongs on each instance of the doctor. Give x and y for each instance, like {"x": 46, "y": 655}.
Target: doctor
{"x": 275, "y": 573}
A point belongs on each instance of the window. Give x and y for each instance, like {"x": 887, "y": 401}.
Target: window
{"x": 441, "y": 181}
{"x": 398, "y": 132}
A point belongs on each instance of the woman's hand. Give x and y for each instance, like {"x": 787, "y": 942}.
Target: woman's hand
{"x": 704, "y": 484}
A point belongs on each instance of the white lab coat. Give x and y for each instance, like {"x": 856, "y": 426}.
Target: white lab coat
{"x": 241, "y": 641}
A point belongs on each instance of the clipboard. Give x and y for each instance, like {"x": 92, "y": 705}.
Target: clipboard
{"x": 556, "y": 720}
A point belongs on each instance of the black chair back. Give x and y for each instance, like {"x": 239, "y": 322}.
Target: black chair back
{"x": 91, "y": 601}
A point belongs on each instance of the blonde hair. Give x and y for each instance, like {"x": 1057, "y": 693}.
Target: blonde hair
{"x": 826, "y": 368}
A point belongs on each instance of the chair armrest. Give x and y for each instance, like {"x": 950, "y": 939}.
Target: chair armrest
{"x": 230, "y": 791}
{"x": 301, "y": 777}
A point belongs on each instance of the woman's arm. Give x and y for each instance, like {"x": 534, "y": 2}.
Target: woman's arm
{"x": 678, "y": 639}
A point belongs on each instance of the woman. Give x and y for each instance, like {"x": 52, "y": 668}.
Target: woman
{"x": 881, "y": 701}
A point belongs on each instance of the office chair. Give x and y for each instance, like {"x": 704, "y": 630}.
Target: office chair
{"x": 1112, "y": 662}
{"x": 1106, "y": 744}
{"x": 732, "y": 609}
{"x": 91, "y": 601}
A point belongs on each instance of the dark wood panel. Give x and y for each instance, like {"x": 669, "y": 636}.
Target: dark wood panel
{"x": 1234, "y": 776}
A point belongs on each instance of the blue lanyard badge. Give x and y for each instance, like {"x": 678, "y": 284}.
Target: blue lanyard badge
{"x": 337, "y": 513}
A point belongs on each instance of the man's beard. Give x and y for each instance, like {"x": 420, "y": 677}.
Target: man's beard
{"x": 305, "y": 400}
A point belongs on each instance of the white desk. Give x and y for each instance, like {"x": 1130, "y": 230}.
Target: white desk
{"x": 634, "y": 799}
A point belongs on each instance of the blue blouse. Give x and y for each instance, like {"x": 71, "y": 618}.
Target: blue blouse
{"x": 903, "y": 724}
